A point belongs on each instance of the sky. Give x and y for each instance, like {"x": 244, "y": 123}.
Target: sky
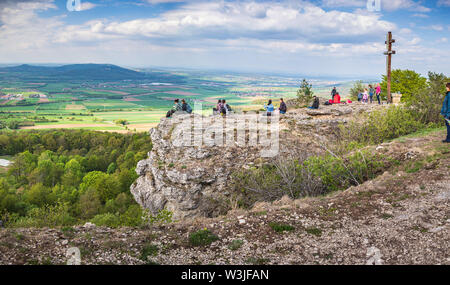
{"x": 321, "y": 37}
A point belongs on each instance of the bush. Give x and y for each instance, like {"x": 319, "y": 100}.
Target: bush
{"x": 107, "y": 220}
{"x": 202, "y": 238}
{"x": 47, "y": 216}
{"x": 381, "y": 125}
{"x": 273, "y": 181}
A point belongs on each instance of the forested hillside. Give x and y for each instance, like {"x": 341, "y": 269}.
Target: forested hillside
{"x": 66, "y": 177}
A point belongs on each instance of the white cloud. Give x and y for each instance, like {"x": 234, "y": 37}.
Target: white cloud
{"x": 87, "y": 6}
{"x": 444, "y": 3}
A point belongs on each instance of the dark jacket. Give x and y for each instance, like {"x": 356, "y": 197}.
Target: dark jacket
{"x": 445, "y": 111}
{"x": 283, "y": 107}
{"x": 316, "y": 103}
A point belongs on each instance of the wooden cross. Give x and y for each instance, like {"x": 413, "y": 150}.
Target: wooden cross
{"x": 389, "y": 54}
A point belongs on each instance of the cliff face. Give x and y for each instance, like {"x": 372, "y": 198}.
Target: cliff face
{"x": 189, "y": 181}
{"x": 192, "y": 181}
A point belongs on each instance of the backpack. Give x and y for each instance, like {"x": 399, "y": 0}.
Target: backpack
{"x": 188, "y": 108}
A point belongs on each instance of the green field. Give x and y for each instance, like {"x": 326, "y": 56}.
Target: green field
{"x": 96, "y": 105}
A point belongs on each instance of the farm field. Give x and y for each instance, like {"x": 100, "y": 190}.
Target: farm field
{"x": 138, "y": 104}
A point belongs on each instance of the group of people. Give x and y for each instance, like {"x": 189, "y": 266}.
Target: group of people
{"x": 179, "y": 107}
{"x": 222, "y": 108}
{"x": 270, "y": 107}
{"x": 368, "y": 94}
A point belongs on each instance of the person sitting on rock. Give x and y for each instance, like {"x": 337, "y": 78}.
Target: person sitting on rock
{"x": 283, "y": 107}
{"x": 218, "y": 107}
{"x": 315, "y": 104}
{"x": 185, "y": 106}
{"x": 225, "y": 108}
{"x": 176, "y": 107}
{"x": 269, "y": 108}
{"x": 337, "y": 98}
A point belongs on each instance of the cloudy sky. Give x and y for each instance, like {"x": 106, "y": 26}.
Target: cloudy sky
{"x": 321, "y": 37}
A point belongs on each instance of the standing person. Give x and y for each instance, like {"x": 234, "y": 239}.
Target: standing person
{"x": 365, "y": 96}
{"x": 283, "y": 107}
{"x": 371, "y": 92}
{"x": 378, "y": 92}
{"x": 269, "y": 108}
{"x": 360, "y": 96}
{"x": 333, "y": 93}
{"x": 445, "y": 111}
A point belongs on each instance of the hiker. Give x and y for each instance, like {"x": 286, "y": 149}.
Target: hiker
{"x": 365, "y": 97}
{"x": 445, "y": 111}
{"x": 185, "y": 106}
{"x": 218, "y": 107}
{"x": 333, "y": 93}
{"x": 360, "y": 96}
{"x": 371, "y": 92}
{"x": 337, "y": 98}
{"x": 176, "y": 107}
{"x": 225, "y": 109}
{"x": 315, "y": 104}
{"x": 283, "y": 107}
{"x": 378, "y": 93}
{"x": 269, "y": 108}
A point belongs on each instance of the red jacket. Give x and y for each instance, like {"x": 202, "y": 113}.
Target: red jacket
{"x": 337, "y": 99}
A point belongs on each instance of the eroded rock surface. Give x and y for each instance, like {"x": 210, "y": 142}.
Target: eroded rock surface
{"x": 191, "y": 180}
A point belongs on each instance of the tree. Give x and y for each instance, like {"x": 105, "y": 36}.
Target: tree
{"x": 305, "y": 93}
{"x": 407, "y": 82}
{"x": 426, "y": 104}
{"x": 358, "y": 87}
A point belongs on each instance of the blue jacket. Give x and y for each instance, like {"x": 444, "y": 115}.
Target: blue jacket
{"x": 269, "y": 108}
{"x": 445, "y": 111}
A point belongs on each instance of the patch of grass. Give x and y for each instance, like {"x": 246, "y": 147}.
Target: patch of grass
{"x": 202, "y": 238}
{"x": 257, "y": 260}
{"x": 386, "y": 216}
{"x": 279, "y": 228}
{"x": 416, "y": 166}
{"x": 149, "y": 250}
{"x": 262, "y": 213}
{"x": 235, "y": 244}
{"x": 314, "y": 231}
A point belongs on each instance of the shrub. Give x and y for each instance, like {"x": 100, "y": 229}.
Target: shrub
{"x": 279, "y": 228}
{"x": 47, "y": 216}
{"x": 202, "y": 238}
{"x": 107, "y": 220}
{"x": 163, "y": 217}
{"x": 149, "y": 250}
{"x": 381, "y": 125}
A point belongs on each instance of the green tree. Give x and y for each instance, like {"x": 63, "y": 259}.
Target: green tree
{"x": 407, "y": 82}
{"x": 357, "y": 87}
{"x": 305, "y": 93}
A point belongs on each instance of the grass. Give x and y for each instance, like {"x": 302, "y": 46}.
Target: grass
{"x": 235, "y": 244}
{"x": 314, "y": 231}
{"x": 149, "y": 250}
{"x": 280, "y": 228}
{"x": 202, "y": 238}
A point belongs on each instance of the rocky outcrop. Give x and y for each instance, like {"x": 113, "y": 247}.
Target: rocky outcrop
{"x": 193, "y": 180}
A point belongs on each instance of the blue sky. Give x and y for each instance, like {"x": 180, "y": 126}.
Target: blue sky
{"x": 320, "y": 37}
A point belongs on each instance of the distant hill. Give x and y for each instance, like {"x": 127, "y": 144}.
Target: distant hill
{"x": 81, "y": 72}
